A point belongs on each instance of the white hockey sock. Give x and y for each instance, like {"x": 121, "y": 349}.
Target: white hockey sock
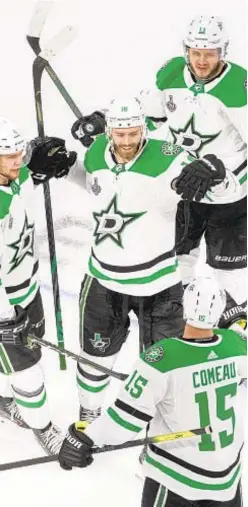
{"x": 92, "y": 383}
{"x": 30, "y": 396}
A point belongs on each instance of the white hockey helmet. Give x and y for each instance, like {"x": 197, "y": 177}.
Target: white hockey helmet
{"x": 125, "y": 113}
{"x": 203, "y": 303}
{"x": 11, "y": 141}
{"x": 206, "y": 32}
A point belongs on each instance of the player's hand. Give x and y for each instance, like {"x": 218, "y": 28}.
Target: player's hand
{"x": 16, "y": 331}
{"x": 198, "y": 177}
{"x": 76, "y": 449}
{"x": 50, "y": 159}
{"x": 87, "y": 127}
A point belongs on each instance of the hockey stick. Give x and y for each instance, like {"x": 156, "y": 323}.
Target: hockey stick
{"x": 52, "y": 48}
{"x": 33, "y": 38}
{"x": 68, "y": 353}
{"x": 167, "y": 437}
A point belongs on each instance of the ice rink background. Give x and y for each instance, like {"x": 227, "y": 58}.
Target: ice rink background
{"x": 119, "y": 47}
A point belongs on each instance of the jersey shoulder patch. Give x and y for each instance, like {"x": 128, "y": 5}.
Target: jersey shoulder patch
{"x": 170, "y": 75}
{"x": 94, "y": 158}
{"x": 232, "y": 89}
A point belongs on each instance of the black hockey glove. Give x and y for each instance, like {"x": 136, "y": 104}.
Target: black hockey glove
{"x": 15, "y": 331}
{"x": 50, "y": 159}
{"x": 198, "y": 177}
{"x": 76, "y": 448}
{"x": 87, "y": 127}
{"x": 232, "y": 314}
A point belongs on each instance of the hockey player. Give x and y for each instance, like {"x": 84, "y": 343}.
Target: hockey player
{"x": 135, "y": 183}
{"x": 177, "y": 384}
{"x": 200, "y": 104}
{"x": 21, "y": 312}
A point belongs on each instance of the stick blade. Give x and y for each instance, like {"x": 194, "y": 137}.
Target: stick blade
{"x": 59, "y": 42}
{"x": 42, "y": 9}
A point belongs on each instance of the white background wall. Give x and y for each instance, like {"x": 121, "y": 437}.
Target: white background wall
{"x": 120, "y": 45}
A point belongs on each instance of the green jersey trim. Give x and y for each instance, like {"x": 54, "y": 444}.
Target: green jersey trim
{"x": 155, "y": 159}
{"x": 122, "y": 422}
{"x": 171, "y": 74}
{"x": 17, "y": 301}
{"x": 231, "y": 90}
{"x": 5, "y": 202}
{"x": 144, "y": 279}
{"x": 24, "y": 174}
{"x": 178, "y": 353}
{"x": 190, "y": 482}
{"x": 243, "y": 179}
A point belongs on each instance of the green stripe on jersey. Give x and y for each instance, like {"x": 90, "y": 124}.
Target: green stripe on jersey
{"x": 243, "y": 179}
{"x": 177, "y": 353}
{"x": 190, "y": 482}
{"x": 5, "y": 202}
{"x": 129, "y": 281}
{"x": 24, "y": 174}
{"x": 17, "y": 301}
{"x": 122, "y": 422}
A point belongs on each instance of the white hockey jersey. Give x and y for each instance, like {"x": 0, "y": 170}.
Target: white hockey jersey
{"x": 134, "y": 212}
{"x": 18, "y": 255}
{"x": 180, "y": 385}
{"x": 202, "y": 118}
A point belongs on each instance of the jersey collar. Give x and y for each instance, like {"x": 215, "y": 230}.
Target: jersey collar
{"x": 190, "y": 82}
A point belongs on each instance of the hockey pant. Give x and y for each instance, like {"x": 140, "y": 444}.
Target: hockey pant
{"x": 25, "y": 374}
{"x": 104, "y": 326}
{"x": 224, "y": 230}
{"x": 157, "y": 495}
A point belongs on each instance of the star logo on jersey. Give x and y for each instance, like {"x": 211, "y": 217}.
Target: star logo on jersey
{"x": 23, "y": 246}
{"x": 154, "y": 354}
{"x": 111, "y": 223}
{"x": 100, "y": 342}
{"x": 190, "y": 139}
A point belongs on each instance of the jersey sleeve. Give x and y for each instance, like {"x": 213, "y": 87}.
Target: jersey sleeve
{"x": 134, "y": 407}
{"x": 77, "y": 174}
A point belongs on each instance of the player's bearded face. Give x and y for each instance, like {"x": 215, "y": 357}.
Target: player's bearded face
{"x": 205, "y": 63}
{"x": 127, "y": 142}
{"x": 10, "y": 167}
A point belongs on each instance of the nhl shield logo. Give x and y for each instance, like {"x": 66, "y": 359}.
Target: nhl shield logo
{"x": 170, "y": 104}
{"x": 95, "y": 187}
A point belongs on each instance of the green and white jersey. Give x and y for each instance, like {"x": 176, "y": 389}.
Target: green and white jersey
{"x": 18, "y": 255}
{"x": 179, "y": 385}
{"x": 202, "y": 118}
{"x": 134, "y": 210}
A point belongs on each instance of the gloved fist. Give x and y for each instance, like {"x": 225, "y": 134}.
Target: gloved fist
{"x": 87, "y": 127}
{"x": 15, "y": 331}
{"x": 50, "y": 159}
{"x": 198, "y": 177}
{"x": 76, "y": 448}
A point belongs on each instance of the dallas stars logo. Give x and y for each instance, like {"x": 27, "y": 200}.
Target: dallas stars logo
{"x": 23, "y": 246}
{"x": 112, "y": 222}
{"x": 191, "y": 140}
{"x": 99, "y": 342}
